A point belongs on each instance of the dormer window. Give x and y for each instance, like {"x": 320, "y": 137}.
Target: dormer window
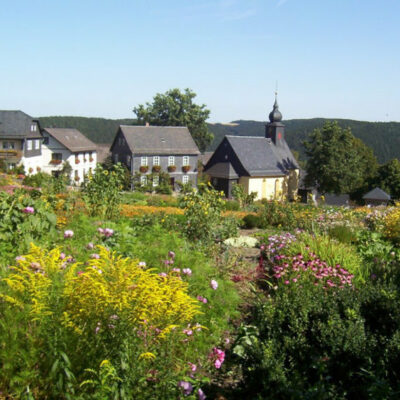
{"x": 33, "y": 128}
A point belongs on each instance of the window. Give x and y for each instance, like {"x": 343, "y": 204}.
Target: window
{"x": 156, "y": 180}
{"x": 33, "y": 128}
{"x": 185, "y": 179}
{"x": 56, "y": 158}
{"x": 29, "y": 144}
{"x": 128, "y": 161}
{"x": 37, "y": 144}
{"x": 156, "y": 160}
{"x": 185, "y": 161}
{"x": 8, "y": 145}
{"x": 143, "y": 161}
{"x": 171, "y": 160}
{"x": 143, "y": 180}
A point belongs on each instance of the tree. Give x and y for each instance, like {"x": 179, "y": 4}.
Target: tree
{"x": 389, "y": 177}
{"x": 337, "y": 161}
{"x": 175, "y": 108}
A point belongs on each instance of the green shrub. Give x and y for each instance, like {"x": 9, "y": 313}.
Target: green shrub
{"x": 251, "y": 221}
{"x": 231, "y": 205}
{"x": 308, "y": 343}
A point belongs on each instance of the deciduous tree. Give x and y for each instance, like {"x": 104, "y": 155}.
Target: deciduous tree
{"x": 337, "y": 161}
{"x": 176, "y": 108}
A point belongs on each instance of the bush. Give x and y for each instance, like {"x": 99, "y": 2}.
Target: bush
{"x": 308, "y": 343}
{"x": 101, "y": 191}
{"x": 251, "y": 221}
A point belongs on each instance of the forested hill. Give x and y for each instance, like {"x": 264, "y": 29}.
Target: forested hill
{"x": 382, "y": 137}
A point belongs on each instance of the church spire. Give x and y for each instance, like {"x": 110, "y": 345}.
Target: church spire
{"x": 275, "y": 115}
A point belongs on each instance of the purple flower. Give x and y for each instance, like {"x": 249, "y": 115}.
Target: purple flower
{"x": 108, "y": 232}
{"x": 28, "y": 210}
{"x": 68, "y": 234}
{"x": 142, "y": 264}
{"x": 186, "y": 386}
{"x": 193, "y": 367}
{"x": 171, "y": 254}
{"x": 214, "y": 284}
{"x": 201, "y": 395}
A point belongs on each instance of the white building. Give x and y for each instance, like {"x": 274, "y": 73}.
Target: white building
{"x": 62, "y": 145}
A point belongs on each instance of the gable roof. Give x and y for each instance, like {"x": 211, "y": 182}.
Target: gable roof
{"x": 223, "y": 170}
{"x": 159, "y": 140}
{"x": 376, "y": 194}
{"x": 260, "y": 157}
{"x": 72, "y": 139}
{"x": 17, "y": 124}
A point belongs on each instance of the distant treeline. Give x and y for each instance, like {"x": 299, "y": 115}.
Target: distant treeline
{"x": 382, "y": 137}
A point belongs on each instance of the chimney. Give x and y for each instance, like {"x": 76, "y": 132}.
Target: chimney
{"x": 147, "y": 123}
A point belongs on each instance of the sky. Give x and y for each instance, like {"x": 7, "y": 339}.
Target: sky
{"x": 328, "y": 58}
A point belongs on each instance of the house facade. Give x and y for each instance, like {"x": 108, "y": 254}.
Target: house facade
{"x": 20, "y": 141}
{"x": 61, "y": 145}
{"x": 264, "y": 165}
{"x": 149, "y": 150}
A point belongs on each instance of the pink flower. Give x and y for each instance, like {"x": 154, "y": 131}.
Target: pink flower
{"x": 177, "y": 270}
{"x": 188, "y": 332}
{"x": 95, "y": 256}
{"x": 187, "y": 271}
{"x": 202, "y": 299}
{"x": 219, "y": 356}
{"x": 142, "y": 264}
{"x": 68, "y": 234}
{"x": 108, "y": 232}
{"x": 100, "y": 230}
{"x": 20, "y": 258}
{"x": 62, "y": 256}
{"x": 186, "y": 386}
{"x": 28, "y": 210}
{"x": 217, "y": 364}
{"x": 287, "y": 282}
{"x": 171, "y": 254}
{"x": 90, "y": 246}
{"x": 193, "y": 367}
{"x": 201, "y": 395}
{"x": 162, "y": 274}
{"x": 214, "y": 284}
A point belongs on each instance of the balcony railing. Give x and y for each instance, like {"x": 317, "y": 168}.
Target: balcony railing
{"x": 10, "y": 153}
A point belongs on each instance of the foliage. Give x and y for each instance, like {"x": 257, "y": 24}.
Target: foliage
{"x": 279, "y": 214}
{"x": 203, "y": 213}
{"x": 392, "y": 224}
{"x": 337, "y": 161}
{"x": 23, "y": 220}
{"x": 388, "y": 178}
{"x": 176, "y": 108}
{"x": 101, "y": 191}
{"x": 241, "y": 196}
{"x": 113, "y": 309}
{"x": 306, "y": 342}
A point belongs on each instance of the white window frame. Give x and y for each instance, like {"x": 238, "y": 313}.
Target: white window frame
{"x": 171, "y": 160}
{"x": 144, "y": 161}
{"x": 33, "y": 128}
{"x": 29, "y": 144}
{"x": 116, "y": 158}
{"x": 143, "y": 180}
{"x": 185, "y": 179}
{"x": 156, "y": 160}
{"x": 37, "y": 144}
{"x": 156, "y": 180}
{"x": 185, "y": 161}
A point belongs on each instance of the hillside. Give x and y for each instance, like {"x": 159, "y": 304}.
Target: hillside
{"x": 382, "y": 137}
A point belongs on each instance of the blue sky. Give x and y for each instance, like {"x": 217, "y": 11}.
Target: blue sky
{"x": 331, "y": 58}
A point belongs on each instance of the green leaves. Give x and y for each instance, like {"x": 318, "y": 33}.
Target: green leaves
{"x": 338, "y": 162}
{"x": 176, "y": 108}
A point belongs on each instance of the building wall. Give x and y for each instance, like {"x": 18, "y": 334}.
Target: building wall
{"x": 269, "y": 188}
{"x": 78, "y": 169}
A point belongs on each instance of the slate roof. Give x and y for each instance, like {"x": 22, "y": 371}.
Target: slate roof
{"x": 16, "y": 124}
{"x": 260, "y": 157}
{"x": 72, "y": 139}
{"x": 159, "y": 140}
{"x": 223, "y": 170}
{"x": 376, "y": 194}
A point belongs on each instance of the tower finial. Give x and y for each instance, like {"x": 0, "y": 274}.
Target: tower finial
{"x": 275, "y": 115}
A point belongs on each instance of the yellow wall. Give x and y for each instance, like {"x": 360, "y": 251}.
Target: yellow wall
{"x": 272, "y": 188}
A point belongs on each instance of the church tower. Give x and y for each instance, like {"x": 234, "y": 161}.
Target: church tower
{"x": 275, "y": 130}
